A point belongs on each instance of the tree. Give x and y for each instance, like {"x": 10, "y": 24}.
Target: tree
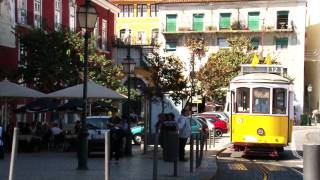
{"x": 54, "y": 60}
{"x": 166, "y": 74}
{"x": 223, "y": 66}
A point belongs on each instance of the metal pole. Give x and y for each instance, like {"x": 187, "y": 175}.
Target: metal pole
{"x": 309, "y": 96}
{"x": 175, "y": 168}
{"x": 214, "y": 137}
{"x": 197, "y": 150}
{"x": 155, "y": 157}
{"x": 107, "y": 154}
{"x": 311, "y": 161}
{"x": 83, "y": 151}
{"x": 14, "y": 151}
{"x": 191, "y": 153}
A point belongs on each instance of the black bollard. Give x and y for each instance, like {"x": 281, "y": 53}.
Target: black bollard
{"x": 191, "y": 153}
{"x": 311, "y": 161}
{"x": 197, "y": 150}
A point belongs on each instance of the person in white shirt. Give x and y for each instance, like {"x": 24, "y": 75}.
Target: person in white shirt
{"x": 55, "y": 130}
{"x": 184, "y": 132}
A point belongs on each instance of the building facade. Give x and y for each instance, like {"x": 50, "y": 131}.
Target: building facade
{"x": 53, "y": 15}
{"x": 275, "y": 27}
{"x": 312, "y": 54}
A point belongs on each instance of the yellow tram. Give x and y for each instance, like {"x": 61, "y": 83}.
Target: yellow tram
{"x": 261, "y": 113}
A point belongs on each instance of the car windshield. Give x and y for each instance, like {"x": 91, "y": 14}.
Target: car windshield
{"x": 97, "y": 123}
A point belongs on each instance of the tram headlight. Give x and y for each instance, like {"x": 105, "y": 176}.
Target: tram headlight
{"x": 261, "y": 132}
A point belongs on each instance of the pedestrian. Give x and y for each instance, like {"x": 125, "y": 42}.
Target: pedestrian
{"x": 184, "y": 133}
{"x": 116, "y": 134}
{"x": 1, "y": 143}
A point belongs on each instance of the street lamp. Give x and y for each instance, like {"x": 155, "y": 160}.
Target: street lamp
{"x": 87, "y": 17}
{"x": 309, "y": 96}
{"x": 128, "y": 67}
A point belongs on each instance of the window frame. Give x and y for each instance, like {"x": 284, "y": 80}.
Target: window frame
{"x": 72, "y": 16}
{"x": 171, "y": 49}
{"x": 37, "y": 13}
{"x": 195, "y": 25}
{"x": 57, "y": 14}
{"x": 168, "y": 25}
{"x": 104, "y": 34}
{"x": 282, "y": 43}
{"x": 221, "y": 26}
{"x": 153, "y": 10}
{"x": 279, "y": 19}
{"x": 22, "y": 12}
{"x": 255, "y": 40}
{"x": 248, "y": 106}
{"x": 254, "y": 111}
{"x": 285, "y": 101}
{"x": 252, "y": 22}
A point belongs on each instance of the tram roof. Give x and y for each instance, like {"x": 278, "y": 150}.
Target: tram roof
{"x": 261, "y": 78}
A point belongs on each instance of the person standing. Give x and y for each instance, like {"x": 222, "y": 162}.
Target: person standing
{"x": 184, "y": 133}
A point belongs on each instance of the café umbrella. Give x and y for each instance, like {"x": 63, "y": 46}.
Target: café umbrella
{"x": 12, "y": 90}
{"x": 94, "y": 91}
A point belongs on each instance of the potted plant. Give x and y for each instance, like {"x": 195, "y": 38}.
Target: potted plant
{"x": 211, "y": 28}
{"x": 236, "y": 25}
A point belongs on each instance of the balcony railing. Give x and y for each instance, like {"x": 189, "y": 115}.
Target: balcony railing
{"x": 132, "y": 40}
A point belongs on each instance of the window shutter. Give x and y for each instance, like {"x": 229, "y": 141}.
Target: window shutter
{"x": 198, "y": 22}
{"x": 253, "y": 21}
{"x": 225, "y": 20}
{"x": 171, "y": 23}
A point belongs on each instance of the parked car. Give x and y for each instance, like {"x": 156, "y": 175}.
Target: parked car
{"x": 97, "y": 127}
{"x": 221, "y": 115}
{"x": 220, "y": 126}
{"x": 137, "y": 133}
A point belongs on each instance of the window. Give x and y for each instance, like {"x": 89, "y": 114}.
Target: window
{"x": 141, "y": 37}
{"x": 104, "y": 34}
{"x": 279, "y": 105}
{"x": 224, "y": 20}
{"x": 96, "y": 34}
{"x": 171, "y": 46}
{"x": 198, "y": 22}
{"x": 154, "y": 36}
{"x": 281, "y": 43}
{"x": 142, "y": 10}
{"x": 22, "y": 54}
{"x": 171, "y": 23}
{"x": 72, "y": 16}
{"x": 261, "y": 100}
{"x": 37, "y": 13}
{"x": 126, "y": 11}
{"x": 255, "y": 42}
{"x": 125, "y": 35}
{"x": 154, "y": 10}
{"x": 253, "y": 21}
{"x": 57, "y": 15}
{"x": 282, "y": 19}
{"x": 22, "y": 11}
{"x": 223, "y": 43}
{"x": 243, "y": 100}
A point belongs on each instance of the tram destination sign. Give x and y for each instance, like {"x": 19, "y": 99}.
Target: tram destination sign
{"x": 263, "y": 68}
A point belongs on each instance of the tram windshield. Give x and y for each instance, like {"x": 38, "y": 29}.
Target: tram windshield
{"x": 261, "y": 100}
{"x": 243, "y": 100}
{"x": 279, "y": 101}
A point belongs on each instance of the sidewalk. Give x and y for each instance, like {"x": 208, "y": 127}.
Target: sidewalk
{"x": 54, "y": 166}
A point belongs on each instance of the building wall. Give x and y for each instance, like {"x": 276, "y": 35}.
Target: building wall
{"x": 9, "y": 46}
{"x": 312, "y": 53}
{"x": 292, "y": 57}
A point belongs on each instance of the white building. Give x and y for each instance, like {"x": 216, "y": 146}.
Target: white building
{"x": 274, "y": 26}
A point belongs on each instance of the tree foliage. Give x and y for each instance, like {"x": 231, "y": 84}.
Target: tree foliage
{"x": 54, "y": 60}
{"x": 166, "y": 74}
{"x": 222, "y": 66}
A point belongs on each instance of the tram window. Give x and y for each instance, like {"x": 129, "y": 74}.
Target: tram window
{"x": 261, "y": 100}
{"x": 279, "y": 101}
{"x": 243, "y": 100}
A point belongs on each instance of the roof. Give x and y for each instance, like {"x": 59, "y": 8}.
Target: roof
{"x": 261, "y": 78}
{"x": 107, "y": 5}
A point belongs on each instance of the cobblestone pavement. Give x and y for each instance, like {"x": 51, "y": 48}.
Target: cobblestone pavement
{"x": 54, "y": 166}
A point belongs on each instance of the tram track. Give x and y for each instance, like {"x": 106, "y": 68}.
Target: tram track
{"x": 260, "y": 169}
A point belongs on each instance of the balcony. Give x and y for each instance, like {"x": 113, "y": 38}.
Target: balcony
{"x": 133, "y": 41}
{"x": 240, "y": 29}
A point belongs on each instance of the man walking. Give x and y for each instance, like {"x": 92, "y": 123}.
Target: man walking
{"x": 184, "y": 133}
{"x": 1, "y": 143}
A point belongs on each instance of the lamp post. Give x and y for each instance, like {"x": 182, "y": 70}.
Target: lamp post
{"x": 309, "y": 100}
{"x": 87, "y": 17}
{"x": 128, "y": 67}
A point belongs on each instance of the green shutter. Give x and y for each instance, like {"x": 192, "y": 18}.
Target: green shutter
{"x": 171, "y": 23}
{"x": 225, "y": 20}
{"x": 281, "y": 43}
{"x": 255, "y": 43}
{"x": 253, "y": 21}
{"x": 283, "y": 13}
{"x": 171, "y": 46}
{"x": 198, "y": 22}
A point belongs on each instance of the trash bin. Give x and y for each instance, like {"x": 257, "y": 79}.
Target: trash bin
{"x": 170, "y": 141}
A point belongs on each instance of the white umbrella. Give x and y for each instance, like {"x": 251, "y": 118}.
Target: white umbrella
{"x": 94, "y": 91}
{"x": 9, "y": 89}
